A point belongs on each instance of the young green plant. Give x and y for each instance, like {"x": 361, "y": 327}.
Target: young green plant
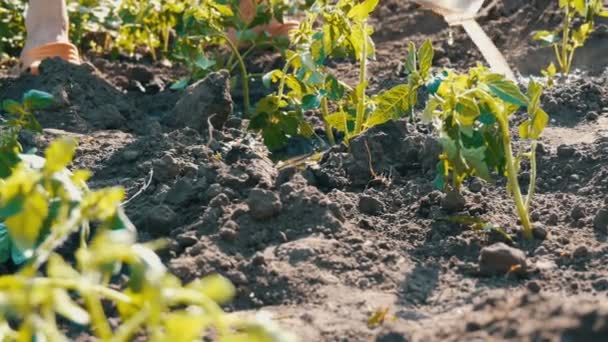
{"x": 471, "y": 114}
{"x": 566, "y": 39}
{"x": 41, "y": 205}
{"x": 330, "y": 29}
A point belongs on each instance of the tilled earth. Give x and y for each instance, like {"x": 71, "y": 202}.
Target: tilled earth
{"x": 326, "y": 245}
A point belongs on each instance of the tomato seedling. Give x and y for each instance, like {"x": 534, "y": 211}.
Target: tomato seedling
{"x": 471, "y": 114}
{"x": 566, "y": 39}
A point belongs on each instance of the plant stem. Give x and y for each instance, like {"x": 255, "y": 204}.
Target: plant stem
{"x": 283, "y": 77}
{"x": 512, "y": 178}
{"x": 244, "y": 75}
{"x": 362, "y": 80}
{"x": 99, "y": 321}
{"x": 328, "y": 129}
{"x": 532, "y": 185}
{"x": 565, "y": 39}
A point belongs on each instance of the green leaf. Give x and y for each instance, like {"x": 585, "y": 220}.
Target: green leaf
{"x": 12, "y": 107}
{"x": 362, "y": 10}
{"x": 8, "y": 160}
{"x": 18, "y": 257}
{"x": 535, "y": 90}
{"x": 271, "y": 77}
{"x": 581, "y": 35}
{"x": 25, "y": 226}
{"x": 539, "y": 122}
{"x": 411, "y": 63}
{"x": 487, "y": 119}
{"x": 204, "y": 63}
{"x": 506, "y": 90}
{"x": 476, "y": 160}
{"x": 59, "y": 155}
{"x": 181, "y": 84}
{"x": 439, "y": 181}
{"x": 580, "y": 6}
{"x": 5, "y": 244}
{"x": 36, "y": 99}
{"x": 468, "y": 110}
{"x": 185, "y": 327}
{"x": 311, "y": 101}
{"x": 425, "y": 58}
{"x": 546, "y": 37}
{"x": 391, "y": 104}
{"x": 14, "y": 206}
{"x": 435, "y": 82}
{"x": 215, "y": 287}
{"x": 66, "y": 307}
{"x": 338, "y": 121}
{"x": 335, "y": 90}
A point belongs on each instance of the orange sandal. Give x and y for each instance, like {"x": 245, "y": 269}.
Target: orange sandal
{"x": 31, "y": 59}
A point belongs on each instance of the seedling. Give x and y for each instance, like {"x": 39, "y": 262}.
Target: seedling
{"x": 471, "y": 114}
{"x": 19, "y": 117}
{"x": 40, "y": 213}
{"x": 305, "y": 83}
{"x": 566, "y": 39}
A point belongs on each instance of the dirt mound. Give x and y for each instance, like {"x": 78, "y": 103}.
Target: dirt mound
{"x": 84, "y": 100}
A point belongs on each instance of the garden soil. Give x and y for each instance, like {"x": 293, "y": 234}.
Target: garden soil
{"x": 326, "y": 245}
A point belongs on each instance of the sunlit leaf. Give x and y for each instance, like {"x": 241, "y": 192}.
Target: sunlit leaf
{"x": 362, "y": 10}
{"x": 59, "y": 155}
{"x": 65, "y": 306}
{"x": 25, "y": 226}
{"x": 391, "y": 104}
{"x": 425, "y": 58}
{"x": 215, "y": 287}
{"x": 506, "y": 90}
{"x": 12, "y": 107}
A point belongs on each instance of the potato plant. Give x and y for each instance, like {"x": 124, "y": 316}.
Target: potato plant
{"x": 471, "y": 113}
{"x": 41, "y": 206}
{"x": 567, "y": 38}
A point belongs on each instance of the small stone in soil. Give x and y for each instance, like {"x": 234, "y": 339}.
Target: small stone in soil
{"x": 539, "y": 231}
{"x": 580, "y": 252}
{"x": 592, "y": 116}
{"x": 533, "y": 286}
{"x": 453, "y": 202}
{"x": 228, "y": 234}
{"x": 565, "y": 151}
{"x": 370, "y": 205}
{"x": 475, "y": 185}
{"x": 499, "y": 259}
{"x": 600, "y": 222}
{"x": 553, "y": 219}
{"x": 600, "y": 284}
{"x": 578, "y": 212}
{"x": 263, "y": 204}
{"x": 160, "y": 220}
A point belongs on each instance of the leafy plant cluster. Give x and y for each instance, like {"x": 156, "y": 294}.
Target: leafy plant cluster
{"x": 471, "y": 112}
{"x": 333, "y": 30}
{"x": 42, "y": 205}
{"x": 567, "y": 38}
{"x": 12, "y": 26}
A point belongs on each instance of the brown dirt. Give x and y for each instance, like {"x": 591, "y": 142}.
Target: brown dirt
{"x": 324, "y": 247}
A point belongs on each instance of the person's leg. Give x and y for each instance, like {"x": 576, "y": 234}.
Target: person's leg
{"x": 46, "y": 22}
{"x": 274, "y": 28}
